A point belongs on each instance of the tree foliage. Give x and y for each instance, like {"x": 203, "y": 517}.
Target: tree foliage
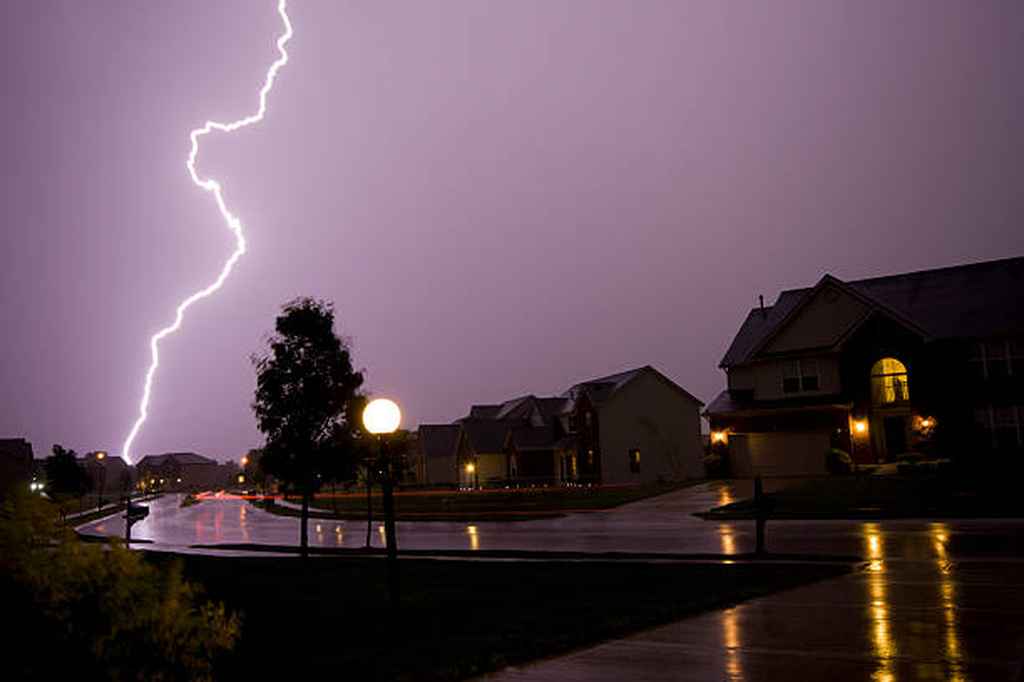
{"x": 64, "y": 473}
{"x": 306, "y": 395}
{"x": 99, "y": 613}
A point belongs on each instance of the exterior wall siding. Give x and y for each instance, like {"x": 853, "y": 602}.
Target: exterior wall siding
{"x": 661, "y": 422}
{"x": 821, "y": 323}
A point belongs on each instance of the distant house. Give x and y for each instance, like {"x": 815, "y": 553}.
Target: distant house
{"x": 929, "y": 361}
{"x": 179, "y": 471}
{"x": 109, "y": 474}
{"x": 627, "y": 428}
{"x": 16, "y": 463}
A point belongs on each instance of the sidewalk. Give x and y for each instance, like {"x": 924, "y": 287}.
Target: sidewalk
{"x": 899, "y": 620}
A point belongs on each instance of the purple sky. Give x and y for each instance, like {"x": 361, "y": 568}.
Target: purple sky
{"x": 499, "y": 197}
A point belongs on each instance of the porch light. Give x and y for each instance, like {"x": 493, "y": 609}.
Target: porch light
{"x": 860, "y": 426}
{"x": 719, "y": 437}
{"x": 470, "y": 468}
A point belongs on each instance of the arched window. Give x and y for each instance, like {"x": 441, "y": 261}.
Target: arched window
{"x": 889, "y": 382}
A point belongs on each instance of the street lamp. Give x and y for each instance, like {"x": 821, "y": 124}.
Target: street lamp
{"x": 100, "y": 456}
{"x": 381, "y": 417}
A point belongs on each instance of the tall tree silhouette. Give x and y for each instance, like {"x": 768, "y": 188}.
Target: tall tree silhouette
{"x": 306, "y": 390}
{"x": 64, "y": 474}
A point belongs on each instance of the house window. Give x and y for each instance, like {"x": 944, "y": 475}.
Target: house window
{"x": 1007, "y": 427}
{"x": 996, "y": 362}
{"x": 634, "y": 461}
{"x": 1001, "y": 427}
{"x": 997, "y": 358}
{"x": 889, "y": 382}
{"x": 800, "y": 375}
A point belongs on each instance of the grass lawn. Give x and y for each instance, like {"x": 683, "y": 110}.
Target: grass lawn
{"x": 457, "y": 619}
{"x": 925, "y": 495}
{"x": 480, "y": 505}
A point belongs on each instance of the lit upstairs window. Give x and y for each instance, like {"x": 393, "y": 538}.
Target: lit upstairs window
{"x": 889, "y": 382}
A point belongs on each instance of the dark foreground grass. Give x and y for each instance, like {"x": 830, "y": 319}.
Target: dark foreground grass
{"x": 330, "y": 617}
{"x": 481, "y": 505}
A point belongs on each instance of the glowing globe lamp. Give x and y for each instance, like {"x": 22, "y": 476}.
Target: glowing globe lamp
{"x": 381, "y": 416}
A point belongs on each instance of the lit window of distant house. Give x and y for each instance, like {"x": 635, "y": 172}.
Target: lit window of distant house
{"x": 634, "y": 460}
{"x": 889, "y": 382}
{"x": 800, "y": 375}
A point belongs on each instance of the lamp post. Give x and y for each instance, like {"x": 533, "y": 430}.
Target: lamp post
{"x": 381, "y": 418}
{"x": 100, "y": 456}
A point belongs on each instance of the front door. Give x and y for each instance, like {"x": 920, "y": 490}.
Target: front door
{"x": 895, "y": 437}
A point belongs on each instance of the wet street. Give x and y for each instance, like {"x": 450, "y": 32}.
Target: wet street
{"x": 936, "y": 601}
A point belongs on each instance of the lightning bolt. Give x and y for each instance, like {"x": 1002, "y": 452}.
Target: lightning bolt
{"x": 233, "y": 223}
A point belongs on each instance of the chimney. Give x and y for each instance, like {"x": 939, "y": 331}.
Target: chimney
{"x": 761, "y": 300}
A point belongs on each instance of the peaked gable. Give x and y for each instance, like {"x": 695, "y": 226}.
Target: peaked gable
{"x": 823, "y": 317}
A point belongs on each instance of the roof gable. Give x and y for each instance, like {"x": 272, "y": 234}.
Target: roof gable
{"x": 439, "y": 440}
{"x": 977, "y": 300}
{"x": 820, "y": 320}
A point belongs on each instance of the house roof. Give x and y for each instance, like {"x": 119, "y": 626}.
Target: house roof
{"x": 16, "y": 447}
{"x": 439, "y": 440}
{"x": 485, "y": 435}
{"x": 977, "y": 300}
{"x": 534, "y": 438}
{"x": 603, "y": 388}
{"x": 727, "y": 403}
{"x": 176, "y": 458}
{"x": 483, "y": 411}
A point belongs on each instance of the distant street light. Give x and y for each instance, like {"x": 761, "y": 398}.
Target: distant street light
{"x": 100, "y": 456}
{"x": 381, "y": 417}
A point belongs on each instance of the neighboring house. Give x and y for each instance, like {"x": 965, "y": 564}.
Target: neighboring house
{"x": 437, "y": 448}
{"x": 180, "y": 471}
{"x": 109, "y": 474}
{"x": 16, "y": 463}
{"x": 929, "y": 361}
{"x": 628, "y": 428}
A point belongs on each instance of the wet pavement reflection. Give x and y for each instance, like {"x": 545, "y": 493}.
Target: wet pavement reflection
{"x": 934, "y": 601}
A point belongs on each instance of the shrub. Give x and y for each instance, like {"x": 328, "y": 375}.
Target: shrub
{"x": 99, "y": 612}
{"x": 716, "y": 464}
{"x": 838, "y": 462}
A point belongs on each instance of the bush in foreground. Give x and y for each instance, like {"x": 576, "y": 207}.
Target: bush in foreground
{"x": 98, "y": 612}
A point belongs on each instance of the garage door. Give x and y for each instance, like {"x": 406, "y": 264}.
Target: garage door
{"x": 778, "y": 454}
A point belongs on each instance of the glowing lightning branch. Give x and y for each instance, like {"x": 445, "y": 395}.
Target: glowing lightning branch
{"x": 233, "y": 223}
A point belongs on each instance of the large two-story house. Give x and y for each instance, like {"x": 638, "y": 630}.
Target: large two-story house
{"x": 628, "y": 428}
{"x": 929, "y": 362}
